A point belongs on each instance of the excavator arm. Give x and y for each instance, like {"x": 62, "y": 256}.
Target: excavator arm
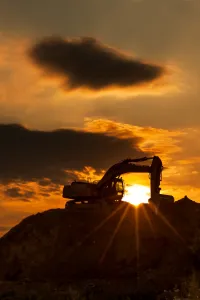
{"x": 130, "y": 166}
{"x": 155, "y": 176}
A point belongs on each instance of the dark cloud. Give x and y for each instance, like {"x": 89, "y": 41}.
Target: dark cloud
{"x": 86, "y": 63}
{"x": 29, "y": 155}
{"x": 13, "y": 192}
{"x": 44, "y": 182}
{"x": 45, "y": 195}
{"x": 16, "y": 192}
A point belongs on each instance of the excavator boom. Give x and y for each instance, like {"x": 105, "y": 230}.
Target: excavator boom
{"x": 120, "y": 169}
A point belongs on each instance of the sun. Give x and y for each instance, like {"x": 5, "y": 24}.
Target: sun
{"x": 136, "y": 194}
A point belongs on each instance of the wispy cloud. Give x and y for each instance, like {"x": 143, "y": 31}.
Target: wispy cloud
{"x": 152, "y": 140}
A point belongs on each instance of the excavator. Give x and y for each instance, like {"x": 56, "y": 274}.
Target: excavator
{"x": 111, "y": 188}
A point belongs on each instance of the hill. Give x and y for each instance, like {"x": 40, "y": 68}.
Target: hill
{"x": 122, "y": 244}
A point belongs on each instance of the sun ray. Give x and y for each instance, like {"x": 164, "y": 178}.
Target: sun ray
{"x": 164, "y": 219}
{"x": 114, "y": 234}
{"x": 137, "y": 237}
{"x": 148, "y": 219}
{"x": 80, "y": 243}
{"x": 102, "y": 223}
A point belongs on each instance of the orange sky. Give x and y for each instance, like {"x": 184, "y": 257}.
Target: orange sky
{"x": 161, "y": 118}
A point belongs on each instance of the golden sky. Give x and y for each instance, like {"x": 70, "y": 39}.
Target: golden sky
{"x": 148, "y": 104}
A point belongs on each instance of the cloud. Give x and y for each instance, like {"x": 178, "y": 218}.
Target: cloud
{"x": 44, "y": 182}
{"x": 16, "y": 192}
{"x": 31, "y": 155}
{"x": 88, "y": 173}
{"x": 158, "y": 141}
{"x": 85, "y": 63}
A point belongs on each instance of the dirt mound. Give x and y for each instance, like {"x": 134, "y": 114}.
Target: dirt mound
{"x": 120, "y": 242}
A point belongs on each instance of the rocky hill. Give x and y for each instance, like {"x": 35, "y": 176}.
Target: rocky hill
{"x": 121, "y": 243}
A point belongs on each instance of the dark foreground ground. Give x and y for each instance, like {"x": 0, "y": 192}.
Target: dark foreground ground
{"x": 95, "y": 290}
{"x": 104, "y": 253}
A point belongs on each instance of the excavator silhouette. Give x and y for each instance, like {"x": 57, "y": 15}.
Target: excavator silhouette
{"x": 111, "y": 188}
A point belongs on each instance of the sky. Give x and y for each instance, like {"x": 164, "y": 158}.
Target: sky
{"x": 84, "y": 84}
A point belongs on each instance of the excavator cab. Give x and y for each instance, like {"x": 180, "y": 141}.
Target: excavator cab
{"x": 119, "y": 186}
{"x": 114, "y": 190}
